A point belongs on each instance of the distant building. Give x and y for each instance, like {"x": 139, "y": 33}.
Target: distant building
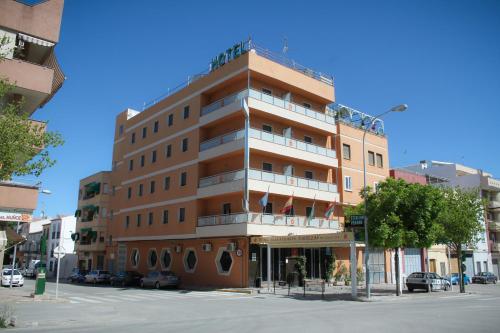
{"x": 59, "y": 233}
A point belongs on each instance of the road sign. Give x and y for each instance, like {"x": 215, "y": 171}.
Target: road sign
{"x": 59, "y": 252}
{"x": 356, "y": 221}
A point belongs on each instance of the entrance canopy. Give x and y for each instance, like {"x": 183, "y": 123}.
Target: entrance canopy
{"x": 339, "y": 239}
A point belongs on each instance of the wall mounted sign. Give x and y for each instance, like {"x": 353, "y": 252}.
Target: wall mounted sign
{"x": 230, "y": 54}
{"x": 15, "y": 217}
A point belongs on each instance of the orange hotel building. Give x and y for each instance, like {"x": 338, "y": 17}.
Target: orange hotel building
{"x": 189, "y": 171}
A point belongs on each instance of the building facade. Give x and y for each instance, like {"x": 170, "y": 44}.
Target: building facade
{"x": 59, "y": 233}
{"x": 246, "y": 151}
{"x": 92, "y": 219}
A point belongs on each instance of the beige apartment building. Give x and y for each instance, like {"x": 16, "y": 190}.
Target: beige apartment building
{"x": 237, "y": 171}
{"x": 27, "y": 60}
{"x": 92, "y": 221}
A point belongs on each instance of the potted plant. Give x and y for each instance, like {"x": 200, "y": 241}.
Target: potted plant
{"x": 360, "y": 275}
{"x": 330, "y": 267}
{"x": 347, "y": 279}
{"x": 341, "y": 270}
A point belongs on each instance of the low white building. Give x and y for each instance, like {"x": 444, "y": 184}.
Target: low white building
{"x": 59, "y": 233}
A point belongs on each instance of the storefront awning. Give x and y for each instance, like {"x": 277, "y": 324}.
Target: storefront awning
{"x": 12, "y": 236}
{"x": 338, "y": 239}
{"x": 34, "y": 40}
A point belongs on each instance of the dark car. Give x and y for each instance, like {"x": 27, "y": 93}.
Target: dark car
{"x": 160, "y": 279}
{"x": 77, "y": 276}
{"x": 484, "y": 277}
{"x": 127, "y": 278}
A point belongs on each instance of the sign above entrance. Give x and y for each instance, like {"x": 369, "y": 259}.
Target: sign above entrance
{"x": 230, "y": 54}
{"x": 10, "y": 216}
{"x": 314, "y": 240}
{"x": 356, "y": 221}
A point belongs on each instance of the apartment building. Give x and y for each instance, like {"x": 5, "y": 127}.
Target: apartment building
{"x": 224, "y": 179}
{"x": 479, "y": 258}
{"x": 92, "y": 219}
{"x": 27, "y": 60}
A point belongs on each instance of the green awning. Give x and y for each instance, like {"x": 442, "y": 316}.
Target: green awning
{"x": 78, "y": 213}
{"x": 93, "y": 187}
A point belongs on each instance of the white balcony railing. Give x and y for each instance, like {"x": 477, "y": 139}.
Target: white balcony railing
{"x": 222, "y": 139}
{"x": 222, "y": 178}
{"x": 268, "y": 219}
{"x": 276, "y": 101}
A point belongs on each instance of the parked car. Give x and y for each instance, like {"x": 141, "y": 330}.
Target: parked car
{"x": 17, "y": 278}
{"x": 454, "y": 278}
{"x": 126, "y": 278}
{"x": 29, "y": 270}
{"x": 97, "y": 276}
{"x": 484, "y": 277}
{"x": 77, "y": 276}
{"x": 422, "y": 280}
{"x": 160, "y": 279}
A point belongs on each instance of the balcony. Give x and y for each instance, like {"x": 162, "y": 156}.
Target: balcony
{"x": 263, "y": 224}
{"x": 268, "y": 104}
{"x": 261, "y": 181}
{"x": 495, "y": 247}
{"x": 92, "y": 247}
{"x": 494, "y": 204}
{"x": 268, "y": 142}
{"x": 494, "y": 226}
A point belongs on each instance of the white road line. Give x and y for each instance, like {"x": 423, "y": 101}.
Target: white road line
{"x": 85, "y": 300}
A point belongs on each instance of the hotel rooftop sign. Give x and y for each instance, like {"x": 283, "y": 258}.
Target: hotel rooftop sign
{"x": 314, "y": 240}
{"x": 230, "y": 54}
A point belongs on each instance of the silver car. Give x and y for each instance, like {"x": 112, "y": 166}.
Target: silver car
{"x": 97, "y": 276}
{"x": 422, "y": 280}
{"x": 160, "y": 279}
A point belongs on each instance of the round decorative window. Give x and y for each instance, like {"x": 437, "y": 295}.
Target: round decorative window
{"x": 134, "y": 257}
{"x": 152, "y": 258}
{"x": 225, "y": 261}
{"x": 166, "y": 259}
{"x": 190, "y": 260}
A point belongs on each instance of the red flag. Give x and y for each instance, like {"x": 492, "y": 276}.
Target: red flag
{"x": 288, "y": 206}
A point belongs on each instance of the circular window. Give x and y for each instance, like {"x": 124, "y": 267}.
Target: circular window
{"x": 225, "y": 261}
{"x": 152, "y": 258}
{"x": 166, "y": 259}
{"x": 134, "y": 257}
{"x": 190, "y": 260}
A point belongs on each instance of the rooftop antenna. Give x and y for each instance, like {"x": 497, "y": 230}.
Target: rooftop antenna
{"x": 285, "y": 45}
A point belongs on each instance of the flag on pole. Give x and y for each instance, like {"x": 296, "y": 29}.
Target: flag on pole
{"x": 288, "y": 206}
{"x": 310, "y": 216}
{"x": 329, "y": 210}
{"x": 264, "y": 199}
{"x": 245, "y": 107}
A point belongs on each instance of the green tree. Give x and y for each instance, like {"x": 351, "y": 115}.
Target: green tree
{"x": 24, "y": 144}
{"x": 460, "y": 222}
{"x": 402, "y": 215}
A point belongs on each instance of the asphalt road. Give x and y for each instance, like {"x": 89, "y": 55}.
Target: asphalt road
{"x": 85, "y": 308}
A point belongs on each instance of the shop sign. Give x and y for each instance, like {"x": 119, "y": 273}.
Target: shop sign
{"x": 15, "y": 217}
{"x": 339, "y": 236}
{"x": 356, "y": 221}
{"x": 254, "y": 256}
{"x": 230, "y": 54}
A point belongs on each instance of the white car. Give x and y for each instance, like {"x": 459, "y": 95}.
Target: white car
{"x": 17, "y": 278}
{"x": 422, "y": 280}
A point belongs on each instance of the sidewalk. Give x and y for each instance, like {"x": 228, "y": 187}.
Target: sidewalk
{"x": 23, "y": 294}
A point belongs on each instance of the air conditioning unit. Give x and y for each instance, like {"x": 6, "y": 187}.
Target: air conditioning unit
{"x": 178, "y": 248}
{"x": 231, "y": 247}
{"x": 207, "y": 247}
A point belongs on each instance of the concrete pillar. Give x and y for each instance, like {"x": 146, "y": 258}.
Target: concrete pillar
{"x": 269, "y": 278}
{"x": 354, "y": 265}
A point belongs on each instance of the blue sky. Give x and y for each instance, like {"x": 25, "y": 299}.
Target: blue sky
{"x": 442, "y": 58}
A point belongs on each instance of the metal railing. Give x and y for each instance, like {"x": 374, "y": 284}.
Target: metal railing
{"x": 268, "y": 219}
{"x": 222, "y": 139}
{"x": 291, "y": 180}
{"x": 276, "y": 101}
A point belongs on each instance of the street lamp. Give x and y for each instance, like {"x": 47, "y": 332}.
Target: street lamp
{"x": 397, "y": 108}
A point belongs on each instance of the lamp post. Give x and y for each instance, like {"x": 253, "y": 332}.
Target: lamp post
{"x": 398, "y": 108}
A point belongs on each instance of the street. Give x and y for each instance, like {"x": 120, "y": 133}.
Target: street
{"x": 85, "y": 308}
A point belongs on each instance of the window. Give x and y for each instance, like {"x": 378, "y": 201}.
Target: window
{"x": 267, "y": 167}
{"x": 184, "y": 144}
{"x": 139, "y": 220}
{"x": 306, "y": 105}
{"x": 183, "y": 178}
{"x": 165, "y": 216}
{"x": 267, "y": 91}
{"x": 166, "y": 183}
{"x": 380, "y": 161}
{"x": 166, "y": 259}
{"x": 141, "y": 188}
{"x": 142, "y": 160}
{"x": 129, "y": 193}
{"x": 150, "y": 218}
{"x": 347, "y": 183}
{"x": 308, "y": 211}
{"x": 182, "y": 214}
{"x": 186, "y": 112}
{"x": 308, "y": 139}
{"x": 131, "y": 165}
{"x": 132, "y": 138}
{"x": 144, "y": 132}
{"x": 371, "y": 158}
{"x": 190, "y": 261}
{"x": 156, "y": 126}
{"x": 120, "y": 131}
{"x": 152, "y": 258}
{"x": 346, "y": 151}
{"x": 226, "y": 209}
{"x": 224, "y": 262}
{"x": 153, "y": 156}
{"x": 308, "y": 174}
{"x": 169, "y": 150}
{"x": 152, "y": 186}
{"x": 134, "y": 258}
{"x": 267, "y": 128}
{"x": 269, "y": 208}
{"x": 170, "y": 119}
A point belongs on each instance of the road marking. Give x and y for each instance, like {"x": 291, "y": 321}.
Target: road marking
{"x": 85, "y": 300}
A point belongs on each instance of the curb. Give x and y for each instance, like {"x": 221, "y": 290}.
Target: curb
{"x": 236, "y": 290}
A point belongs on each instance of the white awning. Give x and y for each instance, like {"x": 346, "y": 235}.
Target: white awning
{"x": 31, "y": 39}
